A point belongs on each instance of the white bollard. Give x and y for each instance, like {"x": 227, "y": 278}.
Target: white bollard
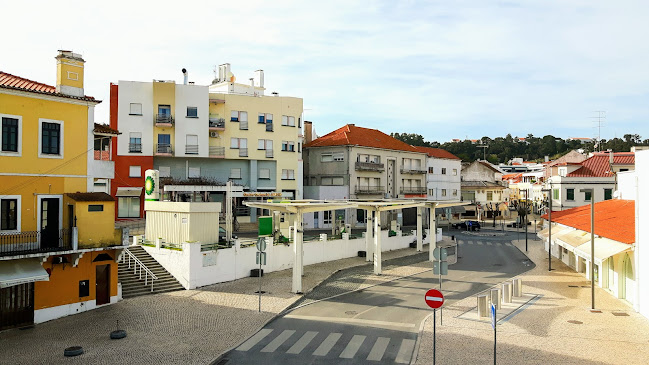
{"x": 495, "y": 297}
{"x": 483, "y": 306}
{"x": 518, "y": 287}
{"x": 507, "y": 292}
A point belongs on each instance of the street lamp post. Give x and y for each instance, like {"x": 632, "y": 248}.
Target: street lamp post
{"x": 592, "y": 244}
{"x": 526, "y": 208}
{"x": 549, "y": 227}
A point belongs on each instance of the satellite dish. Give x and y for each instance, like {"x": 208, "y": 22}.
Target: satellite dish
{"x": 617, "y": 194}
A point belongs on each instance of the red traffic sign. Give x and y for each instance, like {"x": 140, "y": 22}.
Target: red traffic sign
{"x": 434, "y": 298}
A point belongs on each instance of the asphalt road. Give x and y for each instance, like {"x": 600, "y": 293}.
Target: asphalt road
{"x": 379, "y": 325}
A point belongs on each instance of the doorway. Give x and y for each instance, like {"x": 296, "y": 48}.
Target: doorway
{"x": 49, "y": 222}
{"x": 102, "y": 285}
{"x": 17, "y": 306}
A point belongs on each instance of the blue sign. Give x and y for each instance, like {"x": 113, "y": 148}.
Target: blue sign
{"x": 493, "y": 316}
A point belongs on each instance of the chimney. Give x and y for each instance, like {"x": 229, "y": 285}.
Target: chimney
{"x": 610, "y": 158}
{"x": 308, "y": 131}
{"x": 185, "y": 76}
{"x": 252, "y": 82}
{"x": 221, "y": 73}
{"x": 547, "y": 158}
{"x": 226, "y": 73}
{"x": 69, "y": 73}
{"x": 259, "y": 78}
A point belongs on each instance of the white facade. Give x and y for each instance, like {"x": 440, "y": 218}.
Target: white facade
{"x": 134, "y": 92}
{"x": 197, "y": 128}
{"x": 443, "y": 178}
{"x": 566, "y": 192}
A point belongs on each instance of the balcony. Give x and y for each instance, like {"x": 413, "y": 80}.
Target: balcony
{"x": 369, "y": 166}
{"x": 243, "y": 152}
{"x": 269, "y": 153}
{"x": 370, "y": 190}
{"x": 217, "y": 152}
{"x": 412, "y": 170}
{"x": 191, "y": 149}
{"x": 163, "y": 120}
{"x": 414, "y": 190}
{"x": 23, "y": 243}
{"x": 216, "y": 123}
{"x": 135, "y": 148}
{"x": 269, "y": 127}
{"x": 163, "y": 149}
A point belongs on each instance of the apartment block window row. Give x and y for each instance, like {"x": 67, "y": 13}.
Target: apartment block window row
{"x": 265, "y": 118}
{"x": 238, "y": 116}
{"x": 235, "y": 173}
{"x": 288, "y": 174}
{"x": 288, "y": 146}
{"x": 411, "y": 164}
{"x": 264, "y": 174}
{"x": 288, "y": 121}
{"x": 368, "y": 158}
{"x": 331, "y": 157}
{"x": 265, "y": 144}
{"x": 366, "y": 182}
{"x": 332, "y": 180}
{"x": 237, "y": 143}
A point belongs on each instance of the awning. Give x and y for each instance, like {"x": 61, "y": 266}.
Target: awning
{"x": 458, "y": 209}
{"x": 573, "y": 239}
{"x": 555, "y": 231}
{"x": 604, "y": 248}
{"x": 129, "y": 191}
{"x": 16, "y": 272}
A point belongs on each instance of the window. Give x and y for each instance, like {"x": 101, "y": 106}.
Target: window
{"x": 9, "y": 214}
{"x": 10, "y": 134}
{"x": 443, "y": 170}
{"x": 238, "y": 116}
{"x": 326, "y": 217}
{"x": 235, "y": 173}
{"x": 288, "y": 174}
{"x": 490, "y": 195}
{"x": 454, "y": 192}
{"x": 430, "y": 170}
{"x": 264, "y": 174}
{"x": 51, "y": 137}
{"x": 288, "y": 121}
{"x": 335, "y": 156}
{"x": 326, "y": 157}
{"x": 288, "y": 146}
{"x": 128, "y": 207}
{"x": 237, "y": 143}
{"x": 299, "y": 147}
{"x": 135, "y": 171}
{"x": 332, "y": 180}
{"x": 191, "y": 144}
{"x": 454, "y": 172}
{"x": 570, "y": 194}
{"x": 431, "y": 192}
{"x": 265, "y": 144}
{"x": 135, "y": 142}
{"x": 443, "y": 192}
{"x": 194, "y": 173}
{"x": 164, "y": 171}
{"x": 164, "y": 110}
{"x": 269, "y": 118}
{"x": 587, "y": 196}
{"x": 135, "y": 109}
{"x": 608, "y": 194}
{"x": 96, "y": 208}
{"x": 555, "y": 193}
{"x": 192, "y": 112}
{"x": 299, "y": 122}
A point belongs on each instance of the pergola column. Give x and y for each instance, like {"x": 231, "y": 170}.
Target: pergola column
{"x": 369, "y": 239}
{"x": 420, "y": 239}
{"x": 298, "y": 251}
{"x": 432, "y": 227}
{"x": 377, "y": 242}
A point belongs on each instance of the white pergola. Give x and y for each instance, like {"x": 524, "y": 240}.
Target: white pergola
{"x": 373, "y": 226}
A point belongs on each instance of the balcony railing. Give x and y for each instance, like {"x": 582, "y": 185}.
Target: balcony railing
{"x": 135, "y": 147}
{"x": 412, "y": 170}
{"x": 102, "y": 155}
{"x": 191, "y": 149}
{"x": 414, "y": 190}
{"x": 163, "y": 149}
{"x": 217, "y": 124}
{"x": 35, "y": 242}
{"x": 243, "y": 152}
{"x": 216, "y": 151}
{"x": 269, "y": 153}
{"x": 164, "y": 120}
{"x": 269, "y": 127}
{"x": 374, "y": 190}
{"x": 369, "y": 166}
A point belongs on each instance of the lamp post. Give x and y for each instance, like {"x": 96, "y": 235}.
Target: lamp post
{"x": 549, "y": 191}
{"x": 592, "y": 244}
{"x": 526, "y": 208}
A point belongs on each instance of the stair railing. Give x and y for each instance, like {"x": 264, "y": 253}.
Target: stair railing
{"x": 139, "y": 268}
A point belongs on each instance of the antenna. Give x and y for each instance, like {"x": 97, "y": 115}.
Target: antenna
{"x": 599, "y": 120}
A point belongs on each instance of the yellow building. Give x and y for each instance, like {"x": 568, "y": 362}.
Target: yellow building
{"x": 58, "y": 245}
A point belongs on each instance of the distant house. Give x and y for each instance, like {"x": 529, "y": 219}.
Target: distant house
{"x": 482, "y": 184}
{"x": 581, "y": 139}
{"x": 443, "y": 171}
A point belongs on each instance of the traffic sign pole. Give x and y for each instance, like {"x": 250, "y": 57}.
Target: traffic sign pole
{"x": 494, "y": 325}
{"x": 434, "y": 334}
{"x": 434, "y": 299}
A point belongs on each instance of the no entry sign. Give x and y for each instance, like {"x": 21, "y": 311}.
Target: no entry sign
{"x": 434, "y": 298}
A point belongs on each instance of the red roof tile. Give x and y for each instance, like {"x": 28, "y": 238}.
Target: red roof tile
{"x": 351, "y": 135}
{"x": 514, "y": 178}
{"x": 105, "y": 129}
{"x": 614, "y": 219}
{"x": 598, "y": 164}
{"x": 436, "y": 152}
{"x": 9, "y": 81}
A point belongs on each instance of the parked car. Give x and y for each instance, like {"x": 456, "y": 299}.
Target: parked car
{"x": 468, "y": 225}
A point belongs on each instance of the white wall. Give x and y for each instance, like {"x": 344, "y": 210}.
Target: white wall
{"x": 642, "y": 236}
{"x": 436, "y": 181}
{"x": 196, "y": 96}
{"x": 135, "y": 92}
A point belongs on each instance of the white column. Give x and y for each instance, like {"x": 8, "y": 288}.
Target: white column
{"x": 377, "y": 243}
{"x": 420, "y": 227}
{"x": 298, "y": 255}
{"x": 433, "y": 233}
{"x": 369, "y": 239}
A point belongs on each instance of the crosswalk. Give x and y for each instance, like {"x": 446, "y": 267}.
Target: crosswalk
{"x": 379, "y": 349}
{"x": 480, "y": 243}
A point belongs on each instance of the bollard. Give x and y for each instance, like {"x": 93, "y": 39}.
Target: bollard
{"x": 507, "y": 292}
{"x": 482, "y": 306}
{"x": 495, "y": 297}
{"x": 518, "y": 287}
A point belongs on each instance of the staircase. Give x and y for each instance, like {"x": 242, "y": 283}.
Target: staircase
{"x": 133, "y": 286}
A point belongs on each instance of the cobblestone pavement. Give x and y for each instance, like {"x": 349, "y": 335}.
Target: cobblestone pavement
{"x": 184, "y": 327}
{"x": 541, "y": 333}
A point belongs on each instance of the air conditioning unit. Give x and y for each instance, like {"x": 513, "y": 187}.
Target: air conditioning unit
{"x": 214, "y": 134}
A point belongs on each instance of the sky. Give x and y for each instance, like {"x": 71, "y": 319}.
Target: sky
{"x": 442, "y": 69}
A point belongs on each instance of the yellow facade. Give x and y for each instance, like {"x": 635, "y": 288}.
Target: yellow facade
{"x": 69, "y": 71}
{"x": 164, "y": 93}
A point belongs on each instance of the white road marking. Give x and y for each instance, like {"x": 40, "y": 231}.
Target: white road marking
{"x": 352, "y": 347}
{"x": 405, "y": 351}
{"x": 480, "y": 243}
{"x": 252, "y": 341}
{"x": 278, "y": 341}
{"x": 376, "y": 354}
{"x": 488, "y": 243}
{"x": 350, "y": 320}
{"x": 327, "y": 344}
{"x": 302, "y": 342}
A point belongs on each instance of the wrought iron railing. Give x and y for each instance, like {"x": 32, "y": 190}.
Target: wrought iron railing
{"x": 164, "y": 148}
{"x": 135, "y": 147}
{"x": 35, "y": 242}
{"x": 216, "y": 151}
{"x": 163, "y": 119}
{"x": 191, "y": 149}
{"x": 370, "y": 190}
{"x": 369, "y": 166}
{"x": 412, "y": 170}
{"x": 414, "y": 190}
{"x": 218, "y": 123}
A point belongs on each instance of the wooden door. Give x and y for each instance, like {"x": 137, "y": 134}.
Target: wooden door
{"x": 50, "y": 222}
{"x": 102, "y": 284}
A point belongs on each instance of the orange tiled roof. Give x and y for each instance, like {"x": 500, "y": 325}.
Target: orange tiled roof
{"x": 515, "y": 178}
{"x": 9, "y": 81}
{"x": 598, "y": 164}
{"x": 614, "y": 219}
{"x": 436, "y": 152}
{"x": 105, "y": 129}
{"x": 351, "y": 135}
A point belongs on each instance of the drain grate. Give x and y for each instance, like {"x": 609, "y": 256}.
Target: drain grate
{"x": 498, "y": 264}
{"x": 575, "y": 322}
{"x": 620, "y": 314}
{"x": 257, "y": 292}
{"x": 595, "y": 311}
{"x": 573, "y": 286}
{"x": 351, "y": 313}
